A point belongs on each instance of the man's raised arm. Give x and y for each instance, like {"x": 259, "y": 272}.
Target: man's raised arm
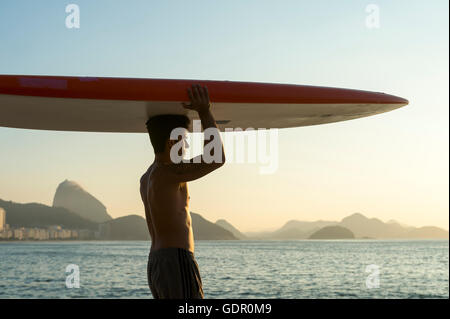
{"x": 204, "y": 164}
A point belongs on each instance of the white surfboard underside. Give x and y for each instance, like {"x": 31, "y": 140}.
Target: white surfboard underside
{"x": 94, "y": 115}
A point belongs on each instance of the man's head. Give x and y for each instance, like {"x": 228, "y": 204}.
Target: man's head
{"x": 159, "y": 128}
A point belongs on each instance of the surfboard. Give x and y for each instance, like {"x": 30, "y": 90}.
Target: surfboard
{"x": 102, "y": 104}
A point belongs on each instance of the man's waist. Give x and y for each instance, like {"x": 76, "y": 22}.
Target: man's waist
{"x": 170, "y": 251}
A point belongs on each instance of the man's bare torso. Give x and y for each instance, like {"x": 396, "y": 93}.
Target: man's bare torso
{"x": 166, "y": 206}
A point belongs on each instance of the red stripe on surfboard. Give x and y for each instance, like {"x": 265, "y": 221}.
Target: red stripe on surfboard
{"x": 137, "y": 89}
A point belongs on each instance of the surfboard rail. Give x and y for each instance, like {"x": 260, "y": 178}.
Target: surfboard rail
{"x": 142, "y": 89}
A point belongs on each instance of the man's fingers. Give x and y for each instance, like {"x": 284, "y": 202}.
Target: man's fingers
{"x": 203, "y": 94}
{"x": 203, "y": 98}
{"x": 196, "y": 92}
{"x": 191, "y": 97}
{"x": 206, "y": 93}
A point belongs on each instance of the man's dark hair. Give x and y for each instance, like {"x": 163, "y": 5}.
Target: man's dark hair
{"x": 160, "y": 126}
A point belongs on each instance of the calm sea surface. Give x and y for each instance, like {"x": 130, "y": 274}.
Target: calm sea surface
{"x": 234, "y": 269}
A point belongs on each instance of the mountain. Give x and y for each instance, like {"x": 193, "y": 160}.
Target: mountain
{"x": 286, "y": 233}
{"x": 427, "y": 232}
{"x": 359, "y": 225}
{"x": 293, "y": 229}
{"x": 393, "y": 221}
{"x": 333, "y": 232}
{"x": 362, "y": 226}
{"x": 131, "y": 227}
{"x": 306, "y": 226}
{"x": 39, "y": 215}
{"x": 205, "y": 230}
{"x": 226, "y": 225}
{"x": 73, "y": 197}
{"x": 134, "y": 227}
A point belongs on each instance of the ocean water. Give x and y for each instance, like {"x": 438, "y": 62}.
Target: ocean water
{"x": 234, "y": 269}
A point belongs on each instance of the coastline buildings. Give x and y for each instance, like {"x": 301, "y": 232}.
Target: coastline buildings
{"x": 2, "y": 219}
{"x": 50, "y": 233}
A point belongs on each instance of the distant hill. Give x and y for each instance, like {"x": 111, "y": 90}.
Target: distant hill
{"x": 39, "y": 215}
{"x": 131, "y": 227}
{"x": 286, "y": 234}
{"x": 134, "y": 227}
{"x": 333, "y": 232}
{"x": 226, "y": 225}
{"x": 73, "y": 197}
{"x": 362, "y": 226}
{"x": 359, "y": 225}
{"x": 427, "y": 232}
{"x": 205, "y": 230}
{"x": 295, "y": 229}
{"x": 306, "y": 226}
{"x": 393, "y": 221}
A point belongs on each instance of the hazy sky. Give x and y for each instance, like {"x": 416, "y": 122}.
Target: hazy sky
{"x": 390, "y": 166}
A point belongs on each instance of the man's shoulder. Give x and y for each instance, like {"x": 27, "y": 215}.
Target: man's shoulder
{"x": 144, "y": 177}
{"x": 158, "y": 173}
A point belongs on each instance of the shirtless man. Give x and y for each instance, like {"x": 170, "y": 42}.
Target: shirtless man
{"x": 172, "y": 270}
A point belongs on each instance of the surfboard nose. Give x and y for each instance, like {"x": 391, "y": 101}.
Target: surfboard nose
{"x": 400, "y": 100}
{"x": 393, "y": 99}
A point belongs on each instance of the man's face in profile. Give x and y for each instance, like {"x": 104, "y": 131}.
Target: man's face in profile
{"x": 185, "y": 144}
{"x": 179, "y": 146}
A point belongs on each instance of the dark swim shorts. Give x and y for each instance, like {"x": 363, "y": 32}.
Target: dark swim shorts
{"x": 173, "y": 273}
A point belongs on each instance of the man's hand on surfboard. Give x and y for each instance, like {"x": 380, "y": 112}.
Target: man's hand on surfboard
{"x": 199, "y": 98}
